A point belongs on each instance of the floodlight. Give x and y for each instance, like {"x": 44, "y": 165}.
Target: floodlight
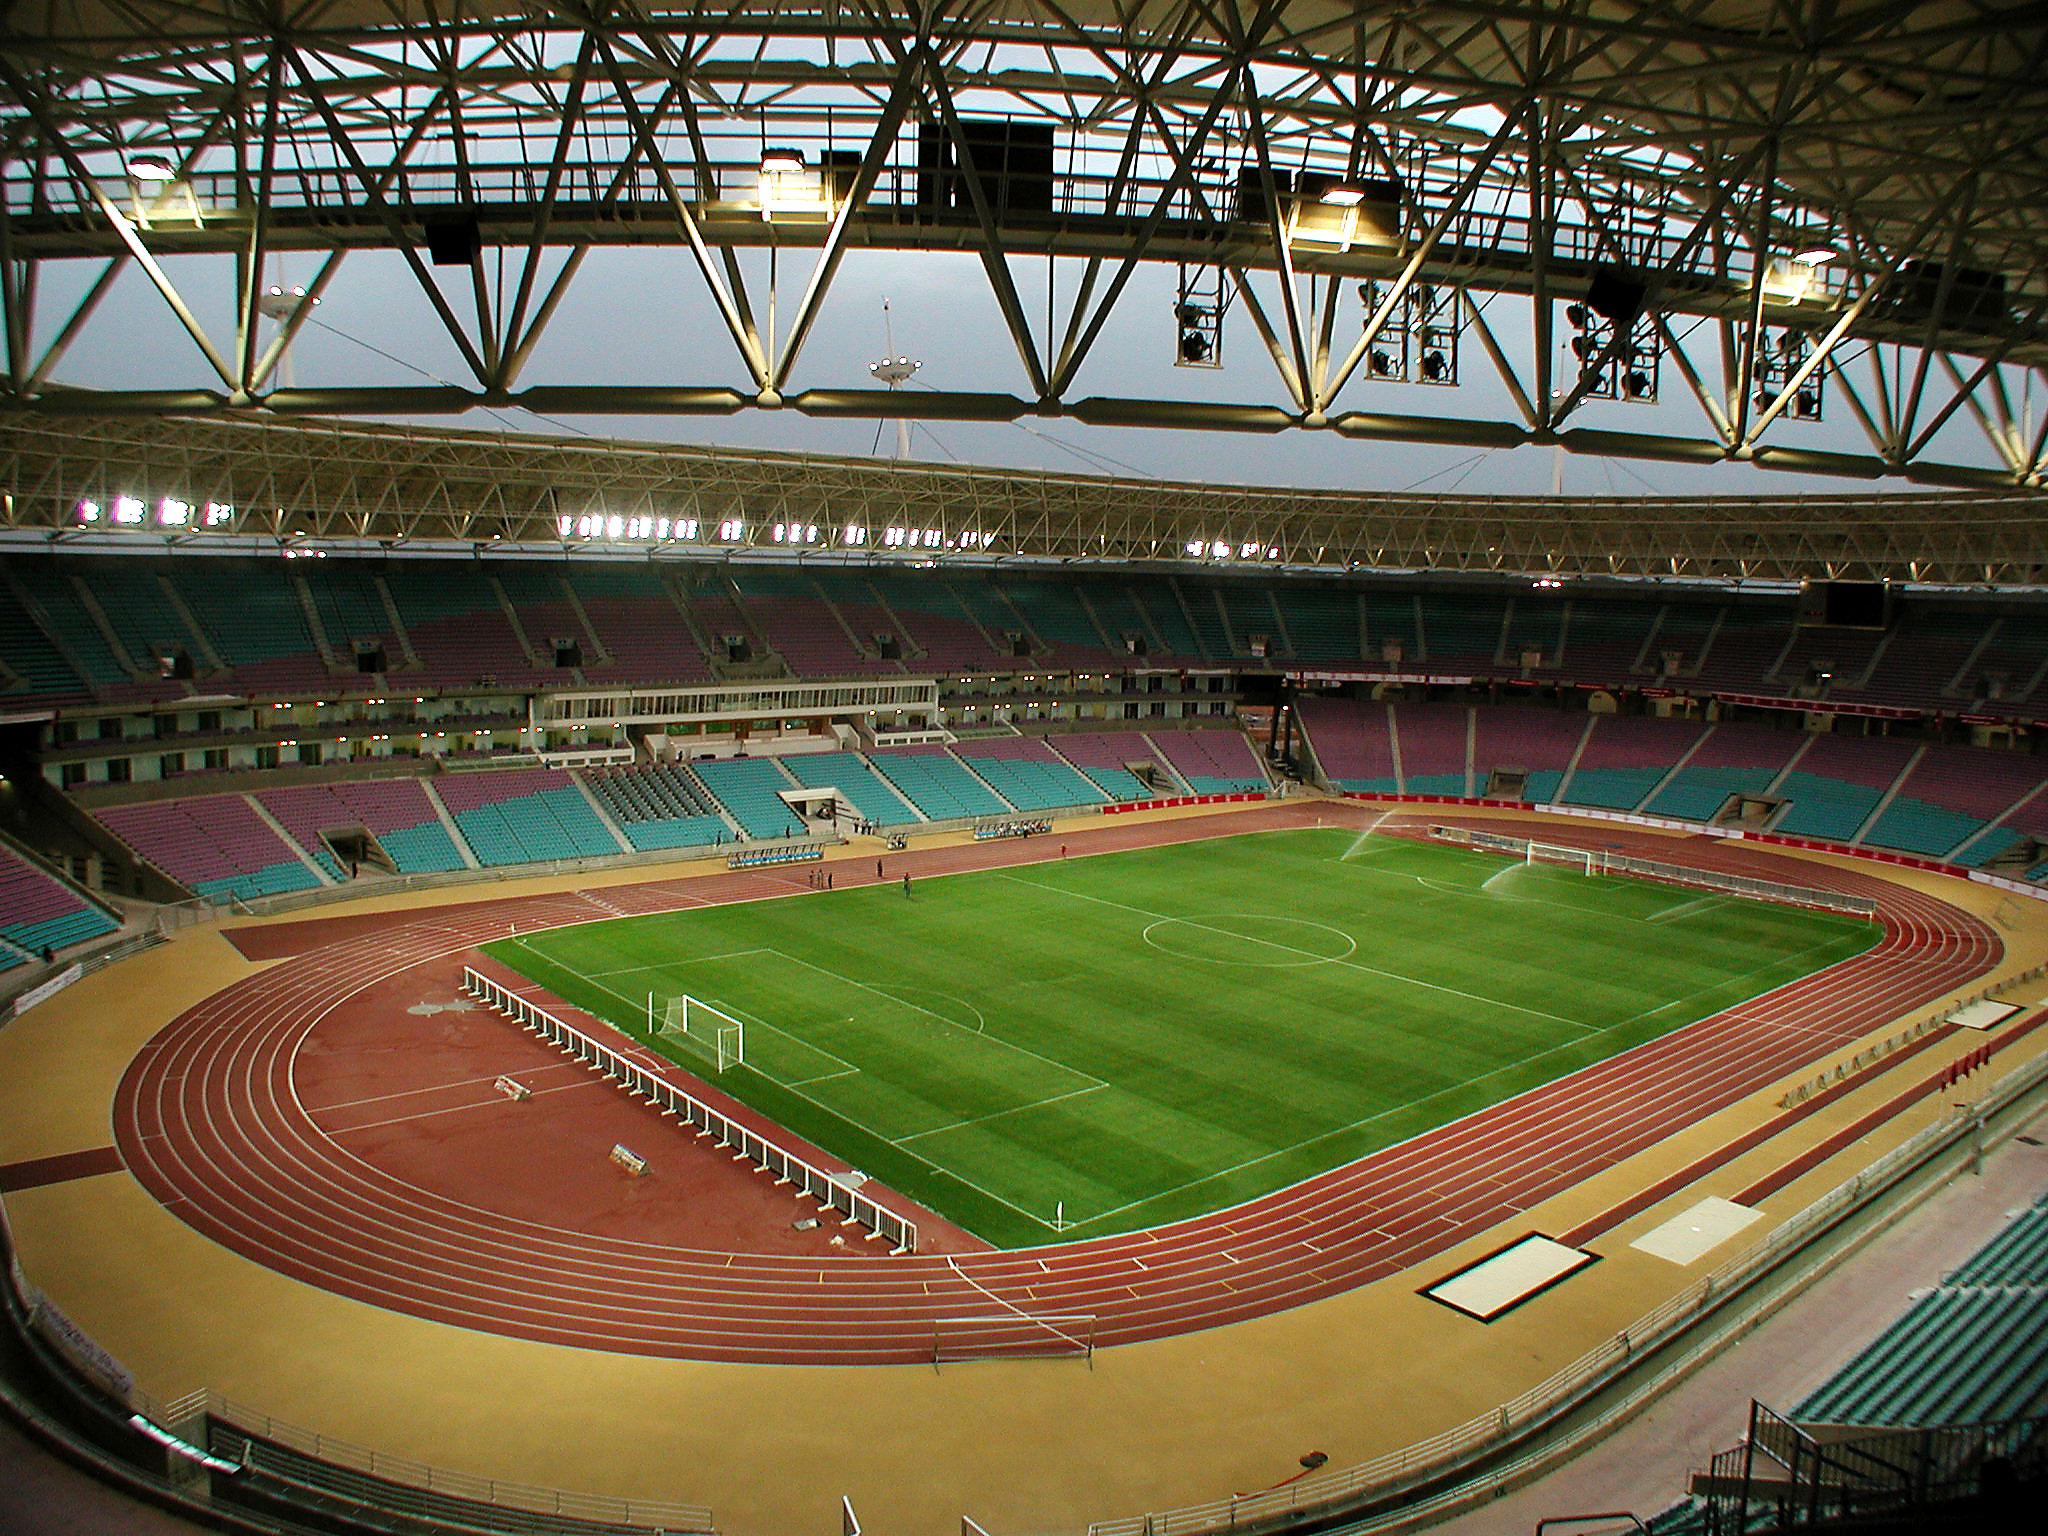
{"x": 1344, "y": 194}
{"x": 152, "y": 167}
{"x": 781, "y": 162}
{"x": 1194, "y": 347}
{"x": 1814, "y": 256}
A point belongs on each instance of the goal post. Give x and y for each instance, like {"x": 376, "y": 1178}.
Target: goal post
{"x": 704, "y": 1028}
{"x": 1585, "y": 860}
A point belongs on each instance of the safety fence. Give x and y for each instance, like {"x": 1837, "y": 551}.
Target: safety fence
{"x": 1011, "y": 827}
{"x": 754, "y": 858}
{"x": 198, "y": 1434}
{"x": 329, "y": 1469}
{"x": 1484, "y": 1438}
{"x": 1014, "y": 1336}
{"x": 174, "y": 915}
{"x": 839, "y": 1192}
{"x": 1610, "y": 863}
{"x": 1871, "y": 1055}
{"x": 39, "y": 987}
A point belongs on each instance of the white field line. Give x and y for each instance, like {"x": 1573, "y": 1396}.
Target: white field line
{"x": 1348, "y": 964}
{"x": 979, "y": 1034}
{"x": 997, "y": 1114}
{"x": 837, "y": 1113}
{"x": 629, "y": 970}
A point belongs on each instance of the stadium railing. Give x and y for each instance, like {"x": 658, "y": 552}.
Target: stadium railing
{"x": 184, "y": 914}
{"x": 24, "y": 992}
{"x": 1779, "y": 891}
{"x": 183, "y": 1453}
{"x": 1479, "y": 1459}
{"x": 828, "y": 1190}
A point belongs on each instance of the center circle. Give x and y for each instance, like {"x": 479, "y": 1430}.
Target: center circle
{"x": 1250, "y": 938}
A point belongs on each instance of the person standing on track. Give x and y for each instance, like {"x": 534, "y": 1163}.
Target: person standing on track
{"x": 906, "y": 882}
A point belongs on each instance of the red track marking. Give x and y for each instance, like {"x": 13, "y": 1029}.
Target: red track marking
{"x": 35, "y": 1172}
{"x": 211, "y": 1120}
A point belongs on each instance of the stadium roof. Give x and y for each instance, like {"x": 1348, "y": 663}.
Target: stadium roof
{"x": 1471, "y": 222}
{"x": 256, "y": 483}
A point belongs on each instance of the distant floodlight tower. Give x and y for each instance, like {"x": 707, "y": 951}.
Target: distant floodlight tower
{"x": 895, "y": 372}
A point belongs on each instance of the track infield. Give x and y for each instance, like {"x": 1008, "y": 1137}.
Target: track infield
{"x": 1090, "y": 1046}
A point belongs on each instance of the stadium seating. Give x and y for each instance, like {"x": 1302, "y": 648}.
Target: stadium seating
{"x": 396, "y": 812}
{"x": 1460, "y": 630}
{"x": 1599, "y": 643}
{"x": 805, "y": 628}
{"x": 252, "y": 616}
{"x": 1351, "y": 741}
{"x": 524, "y": 815}
{"x": 444, "y": 626}
{"x": 1391, "y": 618}
{"x": 1625, "y": 759}
{"x": 853, "y": 778}
{"x": 1104, "y": 755}
{"x": 1029, "y": 774}
{"x": 1836, "y": 783}
{"x": 38, "y": 911}
{"x": 1057, "y": 615}
{"x": 1537, "y": 741}
{"x": 1951, "y": 795}
{"x": 642, "y": 630}
{"x": 2017, "y": 1256}
{"x": 215, "y": 845}
{"x": 1733, "y": 759}
{"x": 1741, "y": 652}
{"x": 1213, "y": 762}
{"x": 658, "y": 805}
{"x": 37, "y": 667}
{"x": 1322, "y": 622}
{"x": 1433, "y": 745}
{"x": 1972, "y": 1350}
{"x": 937, "y": 783}
{"x": 746, "y": 787}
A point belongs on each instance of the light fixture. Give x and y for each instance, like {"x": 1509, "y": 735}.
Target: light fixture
{"x": 152, "y": 167}
{"x": 1344, "y": 194}
{"x": 781, "y": 161}
{"x": 1814, "y": 256}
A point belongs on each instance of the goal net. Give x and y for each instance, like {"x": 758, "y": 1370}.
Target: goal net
{"x": 1584, "y": 860}
{"x": 705, "y": 1030}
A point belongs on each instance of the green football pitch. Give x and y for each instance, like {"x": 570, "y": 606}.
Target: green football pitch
{"x": 1097, "y": 1045}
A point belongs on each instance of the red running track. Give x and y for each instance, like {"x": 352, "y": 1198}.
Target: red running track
{"x": 208, "y": 1119}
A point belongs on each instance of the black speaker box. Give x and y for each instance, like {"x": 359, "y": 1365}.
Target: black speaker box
{"x": 453, "y": 239}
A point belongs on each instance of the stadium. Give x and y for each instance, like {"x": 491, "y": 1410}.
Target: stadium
{"x": 654, "y": 965}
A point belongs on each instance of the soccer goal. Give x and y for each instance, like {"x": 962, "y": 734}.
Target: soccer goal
{"x": 708, "y": 1031}
{"x": 1585, "y": 860}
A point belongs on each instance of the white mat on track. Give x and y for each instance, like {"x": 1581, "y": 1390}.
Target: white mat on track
{"x": 1983, "y": 1014}
{"x": 1697, "y": 1230}
{"x": 1493, "y": 1285}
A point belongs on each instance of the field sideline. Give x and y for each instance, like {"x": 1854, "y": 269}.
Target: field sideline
{"x": 1091, "y": 1046}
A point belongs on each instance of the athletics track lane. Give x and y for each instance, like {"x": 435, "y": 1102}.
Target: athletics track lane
{"x": 209, "y": 1120}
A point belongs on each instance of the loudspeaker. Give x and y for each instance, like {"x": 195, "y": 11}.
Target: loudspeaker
{"x": 837, "y": 169}
{"x": 1250, "y": 204}
{"x": 453, "y": 239}
{"x": 1615, "y": 295}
